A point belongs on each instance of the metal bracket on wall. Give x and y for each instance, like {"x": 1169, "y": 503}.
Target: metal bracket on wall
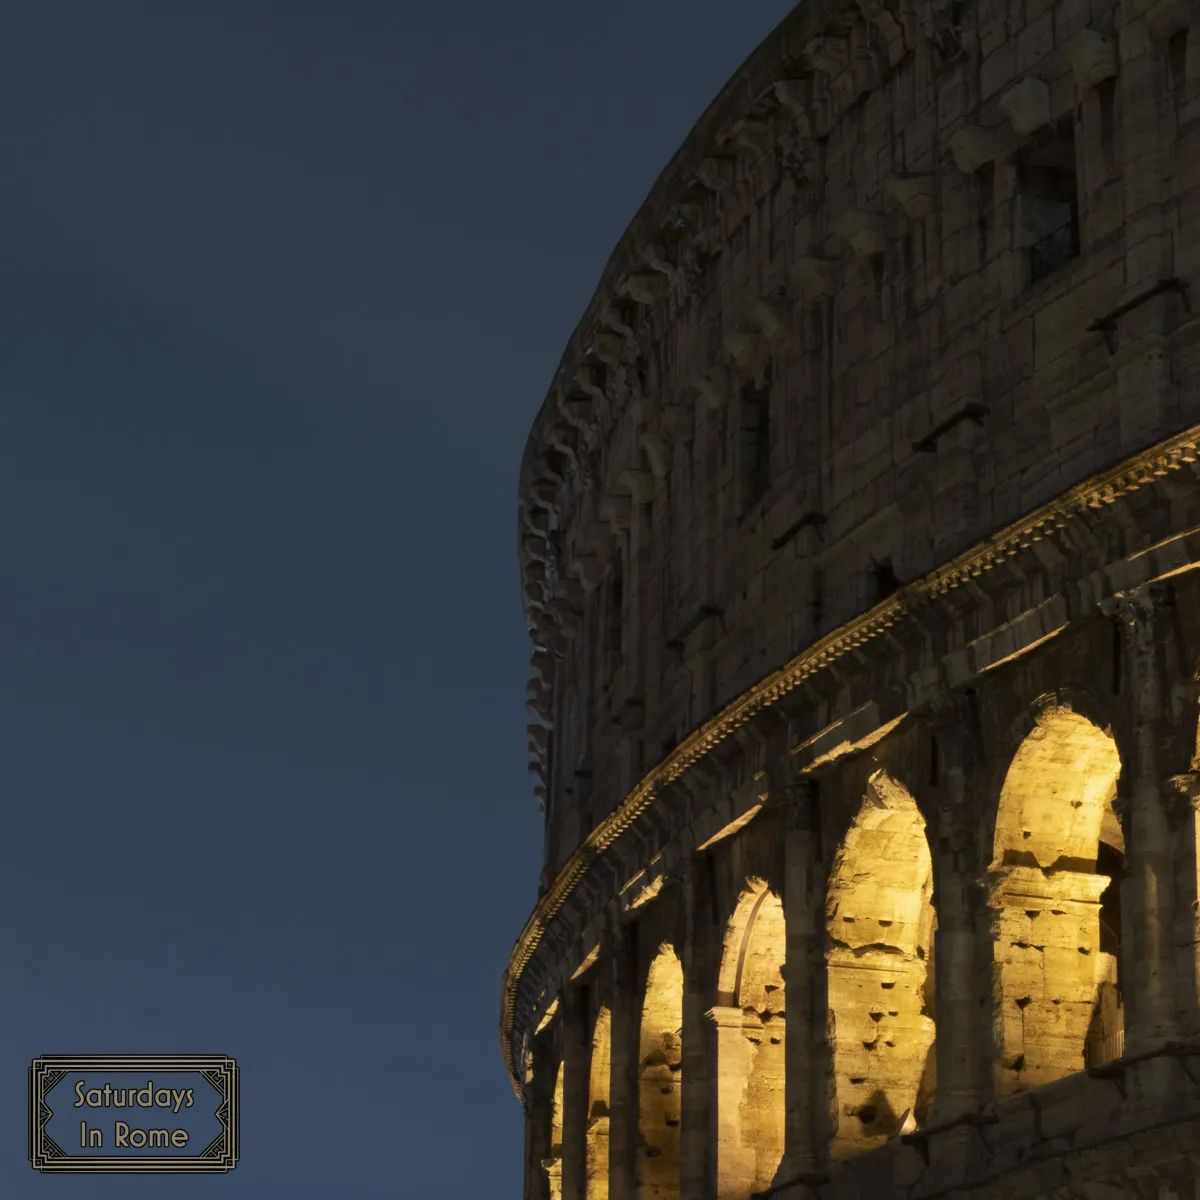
{"x": 1107, "y": 324}
{"x": 971, "y": 411}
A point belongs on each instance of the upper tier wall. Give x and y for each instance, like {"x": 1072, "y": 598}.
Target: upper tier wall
{"x": 903, "y": 283}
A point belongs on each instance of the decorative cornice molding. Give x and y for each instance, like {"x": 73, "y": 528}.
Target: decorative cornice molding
{"x": 1097, "y": 492}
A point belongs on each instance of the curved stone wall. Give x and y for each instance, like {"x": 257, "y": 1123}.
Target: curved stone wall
{"x": 855, "y": 536}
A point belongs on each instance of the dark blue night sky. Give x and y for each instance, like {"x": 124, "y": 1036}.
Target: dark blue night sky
{"x": 283, "y": 287}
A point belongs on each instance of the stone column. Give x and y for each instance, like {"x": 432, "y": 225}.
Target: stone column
{"x": 698, "y": 1099}
{"x": 540, "y": 1166}
{"x": 623, "y": 1094}
{"x": 806, "y": 995}
{"x": 962, "y": 1012}
{"x": 1187, "y": 939}
{"x": 1148, "y": 964}
{"x": 735, "y": 1161}
{"x": 576, "y": 1062}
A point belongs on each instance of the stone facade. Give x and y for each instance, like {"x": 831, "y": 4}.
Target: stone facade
{"x": 858, "y": 537}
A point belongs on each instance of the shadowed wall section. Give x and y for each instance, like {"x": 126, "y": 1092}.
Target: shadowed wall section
{"x": 749, "y": 1016}
{"x": 659, "y": 1078}
{"x": 1056, "y": 915}
{"x": 880, "y": 922}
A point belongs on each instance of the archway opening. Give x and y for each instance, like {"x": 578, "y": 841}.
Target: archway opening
{"x": 659, "y": 1059}
{"x": 879, "y": 948}
{"x": 749, "y": 1016}
{"x": 1058, "y": 858}
{"x": 598, "y": 1107}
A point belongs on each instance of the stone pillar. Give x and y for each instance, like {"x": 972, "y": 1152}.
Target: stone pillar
{"x": 735, "y": 1161}
{"x": 1148, "y": 966}
{"x": 806, "y": 997}
{"x": 543, "y": 1170}
{"x": 626, "y": 1040}
{"x": 576, "y": 1063}
{"x": 962, "y": 993}
{"x": 1187, "y": 939}
{"x": 698, "y": 1111}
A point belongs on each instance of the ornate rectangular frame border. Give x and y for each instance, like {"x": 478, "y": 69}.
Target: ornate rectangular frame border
{"x": 218, "y": 1070}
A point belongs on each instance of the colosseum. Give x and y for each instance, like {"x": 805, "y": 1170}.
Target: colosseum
{"x": 858, "y": 537}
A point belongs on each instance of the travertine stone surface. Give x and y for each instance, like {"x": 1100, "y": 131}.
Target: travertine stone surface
{"x": 858, "y": 536}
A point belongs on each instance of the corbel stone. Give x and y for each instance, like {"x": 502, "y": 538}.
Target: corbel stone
{"x": 890, "y": 30}
{"x": 610, "y": 348}
{"x": 715, "y": 386}
{"x": 772, "y": 316}
{"x": 829, "y": 54}
{"x": 752, "y": 135}
{"x": 591, "y": 378}
{"x": 657, "y": 454}
{"x": 536, "y": 547}
{"x": 914, "y": 193}
{"x": 795, "y": 97}
{"x": 577, "y": 410}
{"x": 656, "y": 257}
{"x": 1027, "y": 105}
{"x": 1092, "y": 56}
{"x": 1168, "y": 17}
{"x": 678, "y": 420}
{"x": 543, "y": 667}
{"x": 742, "y": 347}
{"x": 545, "y": 491}
{"x": 868, "y": 67}
{"x": 538, "y": 708}
{"x": 617, "y": 511}
{"x": 815, "y": 276}
{"x": 972, "y": 146}
{"x": 610, "y": 318}
{"x": 589, "y": 570}
{"x": 645, "y": 286}
{"x": 716, "y": 174}
{"x": 537, "y": 738}
{"x": 688, "y": 214}
{"x": 639, "y": 484}
{"x": 865, "y": 231}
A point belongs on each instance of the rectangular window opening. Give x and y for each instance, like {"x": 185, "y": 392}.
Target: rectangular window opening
{"x": 1048, "y": 191}
{"x": 754, "y": 450}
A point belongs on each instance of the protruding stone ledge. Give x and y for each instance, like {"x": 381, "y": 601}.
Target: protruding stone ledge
{"x": 1027, "y": 105}
{"x": 974, "y": 146}
{"x": 1092, "y": 56}
{"x": 865, "y": 231}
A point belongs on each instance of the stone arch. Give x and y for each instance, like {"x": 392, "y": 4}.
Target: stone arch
{"x": 599, "y": 1077}
{"x": 659, "y": 1060}
{"x": 553, "y": 1164}
{"x": 749, "y": 1016}
{"x": 879, "y": 921}
{"x": 1058, "y": 853}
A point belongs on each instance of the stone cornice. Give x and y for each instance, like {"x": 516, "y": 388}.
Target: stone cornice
{"x": 1097, "y": 492}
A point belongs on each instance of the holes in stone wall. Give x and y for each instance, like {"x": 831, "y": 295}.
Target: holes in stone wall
{"x": 750, "y": 1044}
{"x": 879, "y": 926}
{"x": 659, "y": 1080}
{"x": 1056, "y": 908}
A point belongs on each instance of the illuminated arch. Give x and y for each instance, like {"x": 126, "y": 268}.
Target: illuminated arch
{"x": 1058, "y": 854}
{"x": 598, "y": 1107}
{"x": 879, "y": 941}
{"x": 659, "y": 1060}
{"x": 750, "y": 1045}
